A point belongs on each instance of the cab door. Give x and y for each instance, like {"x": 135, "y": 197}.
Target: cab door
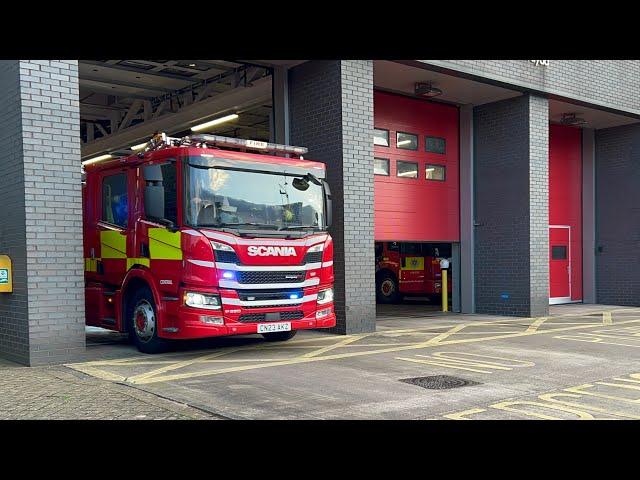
{"x": 114, "y": 226}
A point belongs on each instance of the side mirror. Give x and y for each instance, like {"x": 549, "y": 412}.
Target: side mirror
{"x": 153, "y": 192}
{"x": 328, "y": 204}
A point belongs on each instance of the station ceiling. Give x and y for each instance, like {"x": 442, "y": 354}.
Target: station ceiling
{"x": 116, "y": 95}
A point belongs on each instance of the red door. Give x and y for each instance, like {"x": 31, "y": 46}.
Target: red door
{"x": 559, "y": 265}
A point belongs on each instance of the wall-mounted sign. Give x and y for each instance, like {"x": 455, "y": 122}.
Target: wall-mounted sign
{"x": 6, "y": 284}
{"x": 540, "y": 63}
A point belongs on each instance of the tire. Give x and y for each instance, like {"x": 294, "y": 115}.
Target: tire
{"x": 279, "y": 336}
{"x": 142, "y": 322}
{"x": 387, "y": 288}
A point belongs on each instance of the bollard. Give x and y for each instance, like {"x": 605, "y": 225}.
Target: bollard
{"x": 445, "y": 292}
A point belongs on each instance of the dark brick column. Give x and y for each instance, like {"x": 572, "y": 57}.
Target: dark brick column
{"x": 331, "y": 113}
{"x": 511, "y": 142}
{"x": 42, "y": 321}
{"x": 617, "y": 152}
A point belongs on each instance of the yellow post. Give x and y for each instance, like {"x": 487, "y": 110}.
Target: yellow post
{"x": 445, "y": 292}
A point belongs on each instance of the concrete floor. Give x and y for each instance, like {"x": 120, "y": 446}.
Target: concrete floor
{"x": 580, "y": 362}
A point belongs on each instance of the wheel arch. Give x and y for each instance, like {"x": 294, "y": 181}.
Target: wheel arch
{"x": 135, "y": 279}
{"x": 387, "y": 271}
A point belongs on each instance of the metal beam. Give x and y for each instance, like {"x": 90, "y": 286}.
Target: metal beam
{"x": 136, "y": 70}
{"x": 142, "y": 86}
{"x": 188, "y": 116}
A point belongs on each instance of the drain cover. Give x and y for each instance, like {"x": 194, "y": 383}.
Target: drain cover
{"x": 439, "y": 382}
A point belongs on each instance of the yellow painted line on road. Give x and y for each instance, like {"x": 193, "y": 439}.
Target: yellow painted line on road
{"x": 469, "y": 361}
{"x": 445, "y": 335}
{"x": 508, "y": 407}
{"x": 446, "y": 365}
{"x": 102, "y": 374}
{"x": 606, "y": 318}
{"x": 328, "y": 348}
{"x": 537, "y": 322}
{"x": 176, "y": 366}
{"x": 550, "y": 397}
{"x": 462, "y": 415}
{"x": 298, "y": 360}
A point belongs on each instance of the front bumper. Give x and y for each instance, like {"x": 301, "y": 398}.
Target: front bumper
{"x": 188, "y": 322}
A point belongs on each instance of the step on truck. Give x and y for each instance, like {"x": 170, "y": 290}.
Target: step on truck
{"x": 207, "y": 236}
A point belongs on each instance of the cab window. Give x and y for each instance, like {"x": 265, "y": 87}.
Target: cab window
{"x": 409, "y": 248}
{"x": 115, "y": 204}
{"x": 170, "y": 191}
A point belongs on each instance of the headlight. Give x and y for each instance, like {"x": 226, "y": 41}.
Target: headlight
{"x": 221, "y": 246}
{"x": 325, "y": 296}
{"x": 202, "y": 300}
{"x": 316, "y": 248}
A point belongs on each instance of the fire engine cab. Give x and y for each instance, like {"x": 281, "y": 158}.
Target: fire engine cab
{"x": 197, "y": 237}
{"x": 409, "y": 269}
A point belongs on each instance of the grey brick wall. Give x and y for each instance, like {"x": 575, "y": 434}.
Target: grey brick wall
{"x": 511, "y": 206}
{"x": 14, "y": 329}
{"x": 617, "y": 152}
{"x": 331, "y": 113}
{"x": 539, "y": 205}
{"x": 609, "y": 83}
{"x": 48, "y": 119}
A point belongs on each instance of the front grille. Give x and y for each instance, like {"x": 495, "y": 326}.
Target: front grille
{"x": 313, "y": 257}
{"x": 249, "y": 277}
{"x": 268, "y": 294}
{"x": 261, "y": 317}
{"x": 226, "y": 257}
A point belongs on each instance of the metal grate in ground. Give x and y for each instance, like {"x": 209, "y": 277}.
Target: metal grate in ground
{"x": 439, "y": 382}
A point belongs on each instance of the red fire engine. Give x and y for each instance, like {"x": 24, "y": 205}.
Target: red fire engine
{"x": 409, "y": 268}
{"x": 196, "y": 237}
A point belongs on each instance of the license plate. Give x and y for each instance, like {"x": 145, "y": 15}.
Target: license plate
{"x": 274, "y": 327}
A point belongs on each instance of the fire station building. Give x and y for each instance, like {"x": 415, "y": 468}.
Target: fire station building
{"x": 527, "y": 169}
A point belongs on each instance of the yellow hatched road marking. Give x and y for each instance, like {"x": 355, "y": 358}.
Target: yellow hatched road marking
{"x": 438, "y": 340}
{"x": 298, "y": 360}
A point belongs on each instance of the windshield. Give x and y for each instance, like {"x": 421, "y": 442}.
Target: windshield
{"x": 220, "y": 197}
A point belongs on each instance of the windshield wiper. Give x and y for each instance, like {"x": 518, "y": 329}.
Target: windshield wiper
{"x": 250, "y": 224}
{"x": 298, "y": 227}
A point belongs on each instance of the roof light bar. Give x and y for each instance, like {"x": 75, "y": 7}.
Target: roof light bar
{"x": 97, "y": 159}
{"x": 140, "y": 146}
{"x": 248, "y": 144}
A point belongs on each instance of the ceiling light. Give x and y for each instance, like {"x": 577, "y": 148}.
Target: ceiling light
{"x": 97, "y": 159}
{"x": 217, "y": 121}
{"x": 140, "y": 146}
{"x": 403, "y": 142}
{"x": 427, "y": 90}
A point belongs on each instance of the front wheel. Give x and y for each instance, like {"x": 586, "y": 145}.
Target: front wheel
{"x": 143, "y": 322}
{"x": 387, "y": 289}
{"x": 279, "y": 336}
